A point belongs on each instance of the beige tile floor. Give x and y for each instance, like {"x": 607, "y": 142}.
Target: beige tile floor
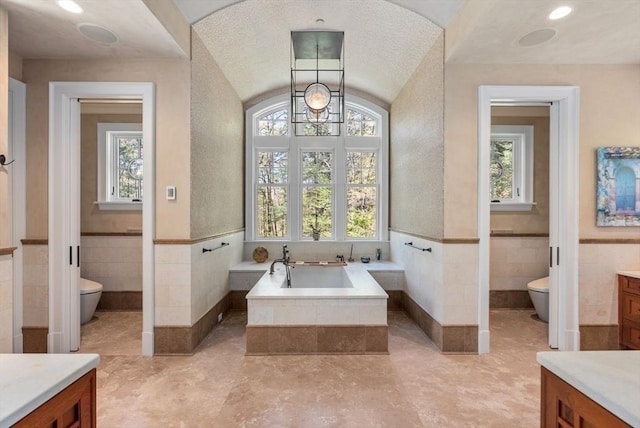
{"x": 413, "y": 386}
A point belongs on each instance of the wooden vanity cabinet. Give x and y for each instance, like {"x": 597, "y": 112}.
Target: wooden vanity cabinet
{"x": 564, "y": 406}
{"x": 629, "y": 312}
{"x": 73, "y": 407}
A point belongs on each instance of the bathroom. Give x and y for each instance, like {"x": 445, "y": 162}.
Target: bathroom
{"x": 111, "y": 224}
{"x": 519, "y": 231}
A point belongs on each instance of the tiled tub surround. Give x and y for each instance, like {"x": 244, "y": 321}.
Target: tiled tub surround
{"x": 516, "y": 260}
{"x": 317, "y": 320}
{"x": 115, "y": 261}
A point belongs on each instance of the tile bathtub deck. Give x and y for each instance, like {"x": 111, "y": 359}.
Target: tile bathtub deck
{"x": 415, "y": 385}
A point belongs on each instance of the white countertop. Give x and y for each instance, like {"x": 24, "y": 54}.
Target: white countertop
{"x": 631, "y": 273}
{"x": 29, "y": 380}
{"x": 610, "y": 378}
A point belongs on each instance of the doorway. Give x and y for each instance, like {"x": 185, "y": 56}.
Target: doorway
{"x": 64, "y": 206}
{"x": 563, "y": 214}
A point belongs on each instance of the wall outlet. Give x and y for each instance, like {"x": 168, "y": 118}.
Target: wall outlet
{"x": 171, "y": 193}
{"x": 220, "y": 317}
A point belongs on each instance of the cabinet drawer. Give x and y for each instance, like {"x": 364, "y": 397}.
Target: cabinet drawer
{"x": 631, "y": 285}
{"x": 631, "y": 335}
{"x": 631, "y": 307}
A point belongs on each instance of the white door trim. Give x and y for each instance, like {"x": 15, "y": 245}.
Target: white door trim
{"x": 17, "y": 196}
{"x": 64, "y": 295}
{"x": 567, "y": 111}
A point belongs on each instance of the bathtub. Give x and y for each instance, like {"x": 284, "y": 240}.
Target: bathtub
{"x": 328, "y": 309}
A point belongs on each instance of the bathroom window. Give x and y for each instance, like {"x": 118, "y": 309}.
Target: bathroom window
{"x": 120, "y": 166}
{"x": 272, "y": 190}
{"x": 511, "y": 168}
{"x": 316, "y": 186}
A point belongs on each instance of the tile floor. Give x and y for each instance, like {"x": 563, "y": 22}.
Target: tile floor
{"x": 413, "y": 386}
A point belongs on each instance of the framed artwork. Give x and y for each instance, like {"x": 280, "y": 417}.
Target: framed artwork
{"x": 618, "y": 194}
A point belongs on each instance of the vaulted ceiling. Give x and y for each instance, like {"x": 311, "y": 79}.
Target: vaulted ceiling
{"x": 384, "y": 39}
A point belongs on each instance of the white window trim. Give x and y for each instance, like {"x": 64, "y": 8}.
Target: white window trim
{"x": 522, "y": 135}
{"x": 106, "y": 164}
{"x": 338, "y": 145}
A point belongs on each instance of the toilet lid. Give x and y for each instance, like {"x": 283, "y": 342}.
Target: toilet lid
{"x": 87, "y": 286}
{"x": 541, "y": 285}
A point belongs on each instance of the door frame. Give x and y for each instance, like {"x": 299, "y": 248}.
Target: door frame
{"x": 564, "y": 118}
{"x": 64, "y": 195}
{"x": 17, "y": 196}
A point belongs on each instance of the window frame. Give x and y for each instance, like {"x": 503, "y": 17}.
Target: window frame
{"x": 107, "y": 165}
{"x": 523, "y": 162}
{"x": 295, "y": 145}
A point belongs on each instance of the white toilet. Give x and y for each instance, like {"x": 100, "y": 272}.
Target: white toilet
{"x": 90, "y": 292}
{"x": 539, "y": 293}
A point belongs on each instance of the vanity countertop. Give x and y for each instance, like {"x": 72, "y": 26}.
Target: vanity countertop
{"x": 610, "y": 378}
{"x": 631, "y": 273}
{"x": 29, "y": 380}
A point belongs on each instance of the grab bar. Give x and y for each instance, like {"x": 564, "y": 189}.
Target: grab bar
{"x": 410, "y": 244}
{"x": 207, "y": 250}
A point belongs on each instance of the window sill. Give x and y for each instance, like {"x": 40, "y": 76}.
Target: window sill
{"x": 512, "y": 206}
{"x": 119, "y": 205}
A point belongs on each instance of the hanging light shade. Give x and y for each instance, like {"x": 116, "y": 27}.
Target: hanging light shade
{"x": 317, "y": 96}
{"x": 317, "y": 116}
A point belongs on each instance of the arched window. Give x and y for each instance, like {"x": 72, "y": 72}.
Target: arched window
{"x": 316, "y": 186}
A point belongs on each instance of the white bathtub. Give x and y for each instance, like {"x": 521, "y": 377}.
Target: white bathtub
{"x": 319, "y": 277}
{"x": 319, "y": 295}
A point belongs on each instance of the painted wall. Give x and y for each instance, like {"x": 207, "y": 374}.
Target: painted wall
{"x": 417, "y": 150}
{"x": 609, "y": 112}
{"x": 5, "y": 207}
{"x": 217, "y": 148}
{"x": 536, "y": 220}
{"x": 172, "y": 79}
{"x": 15, "y": 65}
{"x": 94, "y": 220}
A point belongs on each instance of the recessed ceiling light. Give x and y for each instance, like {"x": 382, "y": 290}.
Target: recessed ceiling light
{"x": 560, "y": 12}
{"x": 97, "y": 33}
{"x": 70, "y": 6}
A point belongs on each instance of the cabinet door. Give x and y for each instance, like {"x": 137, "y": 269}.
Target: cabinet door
{"x": 564, "y": 406}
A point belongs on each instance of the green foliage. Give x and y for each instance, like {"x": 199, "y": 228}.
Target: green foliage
{"x": 501, "y": 169}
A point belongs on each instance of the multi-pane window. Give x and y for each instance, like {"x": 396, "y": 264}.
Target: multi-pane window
{"x": 317, "y": 194}
{"x": 360, "y": 124}
{"x": 362, "y": 187}
{"x": 272, "y": 189}
{"x": 511, "y": 166}
{"x": 120, "y": 165}
{"x": 275, "y": 123}
{"x": 319, "y": 185}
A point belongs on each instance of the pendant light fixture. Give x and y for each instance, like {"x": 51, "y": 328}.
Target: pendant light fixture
{"x": 317, "y": 82}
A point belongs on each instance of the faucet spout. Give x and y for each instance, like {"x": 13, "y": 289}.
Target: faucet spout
{"x": 285, "y": 261}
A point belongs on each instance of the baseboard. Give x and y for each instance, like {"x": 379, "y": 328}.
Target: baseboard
{"x": 599, "y": 337}
{"x": 120, "y": 301}
{"x": 183, "y": 340}
{"x": 317, "y": 339}
{"x": 34, "y": 340}
{"x": 454, "y": 339}
{"x": 510, "y": 299}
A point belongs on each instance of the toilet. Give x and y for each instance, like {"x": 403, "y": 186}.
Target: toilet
{"x": 539, "y": 293}
{"x": 90, "y": 292}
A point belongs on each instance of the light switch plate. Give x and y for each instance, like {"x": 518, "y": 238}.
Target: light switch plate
{"x": 171, "y": 193}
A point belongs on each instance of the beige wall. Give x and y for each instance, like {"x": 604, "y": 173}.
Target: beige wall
{"x": 172, "y": 80}
{"x": 94, "y": 220}
{"x": 609, "y": 112}
{"x": 217, "y": 148}
{"x": 15, "y": 65}
{"x": 417, "y": 150}
{"x": 536, "y": 220}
